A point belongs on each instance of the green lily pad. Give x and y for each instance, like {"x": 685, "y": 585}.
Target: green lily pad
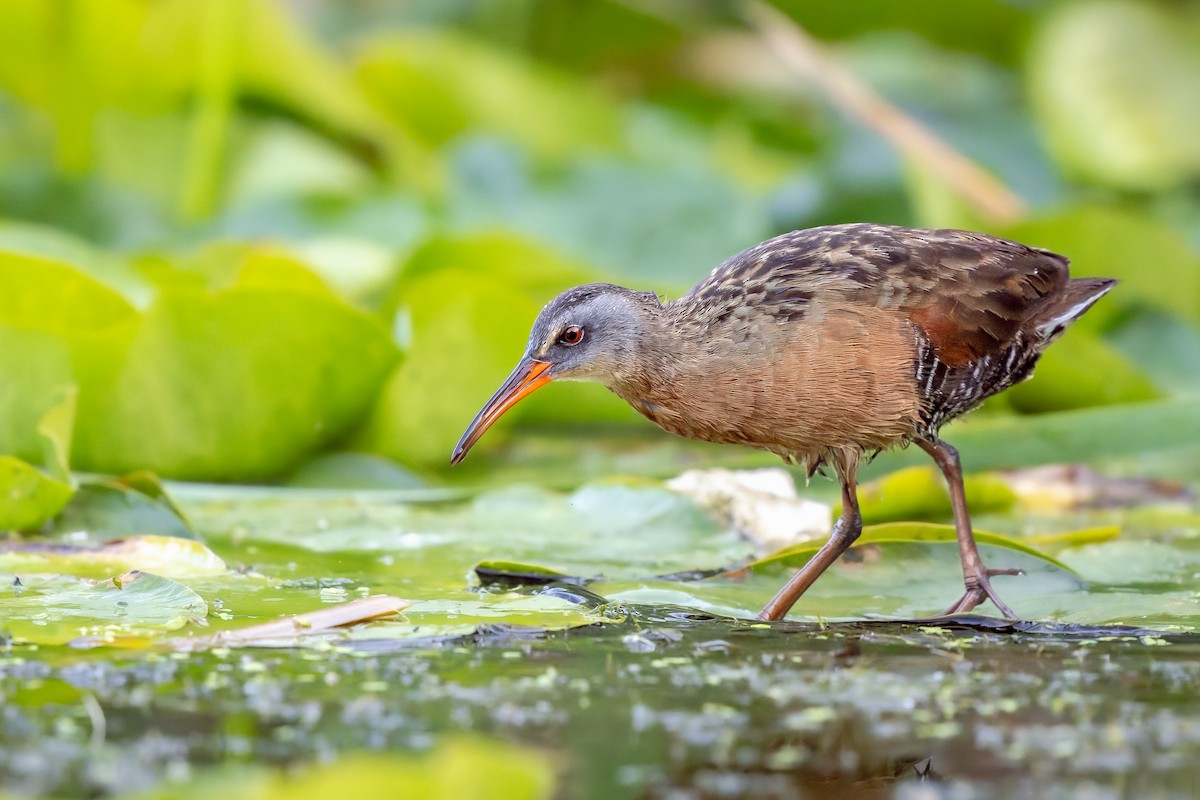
{"x": 57, "y": 609}
{"x": 168, "y": 556}
{"x": 798, "y": 554}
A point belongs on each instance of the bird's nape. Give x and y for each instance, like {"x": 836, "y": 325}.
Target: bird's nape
{"x": 529, "y": 376}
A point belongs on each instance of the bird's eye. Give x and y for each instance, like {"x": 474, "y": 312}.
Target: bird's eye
{"x": 572, "y": 335}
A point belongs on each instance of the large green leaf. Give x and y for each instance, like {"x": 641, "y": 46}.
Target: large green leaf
{"x": 239, "y": 382}
{"x": 234, "y": 384}
{"x": 798, "y": 554}
{"x": 1116, "y": 84}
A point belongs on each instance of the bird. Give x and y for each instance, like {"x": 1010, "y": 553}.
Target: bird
{"x": 823, "y": 346}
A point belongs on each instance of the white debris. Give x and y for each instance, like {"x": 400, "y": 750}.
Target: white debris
{"x": 759, "y": 504}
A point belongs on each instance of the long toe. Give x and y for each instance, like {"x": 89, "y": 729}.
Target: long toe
{"x": 970, "y": 599}
{"x": 981, "y": 589}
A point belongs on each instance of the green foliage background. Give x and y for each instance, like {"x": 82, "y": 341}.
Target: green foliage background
{"x": 249, "y": 232}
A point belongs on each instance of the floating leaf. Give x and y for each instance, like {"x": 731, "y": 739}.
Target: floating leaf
{"x": 168, "y": 556}
{"x": 1104, "y": 533}
{"x": 514, "y": 573}
{"x": 353, "y": 471}
{"x": 58, "y": 609}
{"x": 797, "y": 555}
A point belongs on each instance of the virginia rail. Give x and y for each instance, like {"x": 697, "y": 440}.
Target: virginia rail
{"x": 821, "y": 346}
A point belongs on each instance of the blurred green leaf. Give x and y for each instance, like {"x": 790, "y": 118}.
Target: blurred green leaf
{"x": 239, "y": 383}
{"x": 440, "y": 85}
{"x": 660, "y": 226}
{"x": 920, "y": 493}
{"x": 464, "y": 310}
{"x": 458, "y": 767}
{"x": 1080, "y": 371}
{"x": 103, "y": 510}
{"x": 1116, "y": 84}
{"x": 1088, "y": 434}
{"x": 353, "y": 471}
{"x": 30, "y": 496}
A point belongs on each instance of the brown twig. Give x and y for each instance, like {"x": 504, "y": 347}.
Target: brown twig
{"x": 805, "y": 56}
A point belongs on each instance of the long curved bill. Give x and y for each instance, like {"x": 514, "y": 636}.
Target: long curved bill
{"x": 529, "y": 376}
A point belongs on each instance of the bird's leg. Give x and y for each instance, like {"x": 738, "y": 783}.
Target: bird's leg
{"x": 845, "y": 531}
{"x": 976, "y": 576}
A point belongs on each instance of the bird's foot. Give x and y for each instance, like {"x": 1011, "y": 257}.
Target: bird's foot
{"x": 979, "y": 588}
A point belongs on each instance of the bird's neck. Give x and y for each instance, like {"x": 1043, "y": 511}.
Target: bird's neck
{"x": 658, "y": 370}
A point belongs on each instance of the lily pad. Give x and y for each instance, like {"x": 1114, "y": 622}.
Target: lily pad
{"x": 57, "y": 609}
{"x": 797, "y": 555}
{"x": 167, "y": 556}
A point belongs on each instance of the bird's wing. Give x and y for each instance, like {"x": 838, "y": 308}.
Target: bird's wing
{"x": 969, "y": 293}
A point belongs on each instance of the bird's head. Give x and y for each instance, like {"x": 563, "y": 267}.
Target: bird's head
{"x": 591, "y": 332}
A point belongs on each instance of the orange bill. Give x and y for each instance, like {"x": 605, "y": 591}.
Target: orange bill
{"x": 527, "y": 378}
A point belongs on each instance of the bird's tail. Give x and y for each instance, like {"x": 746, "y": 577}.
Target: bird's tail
{"x": 1079, "y": 295}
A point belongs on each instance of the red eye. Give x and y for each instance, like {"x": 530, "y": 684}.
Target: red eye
{"x": 571, "y": 335}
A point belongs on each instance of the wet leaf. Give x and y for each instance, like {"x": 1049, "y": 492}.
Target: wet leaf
{"x": 513, "y": 574}
{"x": 55, "y": 610}
{"x": 168, "y": 556}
